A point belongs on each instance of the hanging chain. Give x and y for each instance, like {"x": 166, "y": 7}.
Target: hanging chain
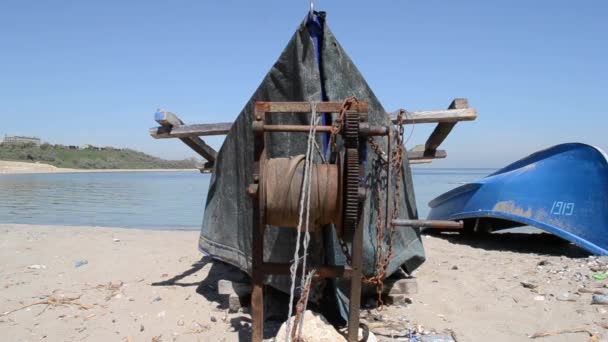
{"x": 382, "y": 261}
{"x": 337, "y": 124}
{"x": 345, "y": 251}
{"x": 397, "y": 162}
{"x": 378, "y": 151}
{"x": 301, "y": 308}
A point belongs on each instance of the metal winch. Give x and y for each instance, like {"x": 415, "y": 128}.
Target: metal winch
{"x": 335, "y": 194}
{"x": 335, "y": 190}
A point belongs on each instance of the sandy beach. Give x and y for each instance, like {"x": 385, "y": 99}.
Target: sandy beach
{"x": 113, "y": 284}
{"x": 13, "y": 167}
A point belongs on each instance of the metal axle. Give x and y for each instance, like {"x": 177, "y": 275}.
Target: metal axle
{"x": 435, "y": 224}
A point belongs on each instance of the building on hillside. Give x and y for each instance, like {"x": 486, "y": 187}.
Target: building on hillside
{"x": 90, "y": 147}
{"x": 19, "y": 140}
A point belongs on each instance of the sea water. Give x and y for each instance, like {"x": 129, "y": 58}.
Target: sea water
{"x": 151, "y": 200}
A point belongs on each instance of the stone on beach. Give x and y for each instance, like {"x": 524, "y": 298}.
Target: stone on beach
{"x": 315, "y": 328}
{"x": 599, "y": 299}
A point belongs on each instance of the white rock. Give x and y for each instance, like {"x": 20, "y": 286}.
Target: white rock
{"x": 37, "y": 267}
{"x": 539, "y": 298}
{"x": 315, "y": 328}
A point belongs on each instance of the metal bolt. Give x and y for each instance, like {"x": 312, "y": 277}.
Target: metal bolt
{"x": 252, "y": 190}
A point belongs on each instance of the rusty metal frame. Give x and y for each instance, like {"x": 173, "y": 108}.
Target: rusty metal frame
{"x": 260, "y": 268}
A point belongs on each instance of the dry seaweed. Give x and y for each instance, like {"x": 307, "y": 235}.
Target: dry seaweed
{"x": 52, "y": 300}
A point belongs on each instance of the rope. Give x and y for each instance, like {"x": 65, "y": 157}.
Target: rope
{"x": 311, "y": 144}
{"x": 305, "y": 195}
{"x": 412, "y": 131}
{"x": 283, "y": 179}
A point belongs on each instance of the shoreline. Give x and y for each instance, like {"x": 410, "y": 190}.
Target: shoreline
{"x": 75, "y": 226}
{"x": 16, "y": 168}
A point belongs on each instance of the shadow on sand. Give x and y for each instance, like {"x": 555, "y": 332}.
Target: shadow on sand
{"x": 534, "y": 243}
{"x": 275, "y": 304}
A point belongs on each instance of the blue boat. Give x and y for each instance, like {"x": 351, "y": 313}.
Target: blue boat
{"x": 562, "y": 190}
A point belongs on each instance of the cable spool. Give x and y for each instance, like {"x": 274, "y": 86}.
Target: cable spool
{"x": 282, "y": 182}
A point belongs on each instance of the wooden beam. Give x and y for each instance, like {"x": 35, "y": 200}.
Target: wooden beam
{"x": 165, "y": 118}
{"x": 421, "y": 161}
{"x": 443, "y": 129}
{"x": 199, "y": 146}
{"x": 416, "y": 155}
{"x": 451, "y": 115}
{"x": 170, "y": 122}
{"x": 438, "y": 116}
{"x": 185, "y": 131}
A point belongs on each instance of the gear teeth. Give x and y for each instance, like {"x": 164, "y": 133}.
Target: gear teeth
{"x": 351, "y": 130}
{"x": 350, "y": 134}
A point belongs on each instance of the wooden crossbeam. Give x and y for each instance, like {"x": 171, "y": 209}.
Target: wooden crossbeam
{"x": 186, "y": 131}
{"x": 170, "y": 122}
{"x": 438, "y": 116}
{"x": 443, "y": 129}
{"x": 419, "y": 153}
{"x": 222, "y": 128}
{"x": 421, "y": 161}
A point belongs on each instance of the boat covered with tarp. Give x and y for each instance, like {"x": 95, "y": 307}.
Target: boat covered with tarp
{"x": 562, "y": 190}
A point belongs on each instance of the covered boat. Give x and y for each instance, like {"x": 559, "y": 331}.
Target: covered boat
{"x": 562, "y": 190}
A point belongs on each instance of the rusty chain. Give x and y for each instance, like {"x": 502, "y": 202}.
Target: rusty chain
{"x": 301, "y": 307}
{"x": 345, "y": 251}
{"x": 337, "y": 124}
{"x": 382, "y": 261}
{"x": 378, "y": 150}
{"x": 397, "y": 160}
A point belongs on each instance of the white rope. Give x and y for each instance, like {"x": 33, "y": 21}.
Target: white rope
{"x": 411, "y": 132}
{"x": 305, "y": 195}
{"x": 311, "y": 145}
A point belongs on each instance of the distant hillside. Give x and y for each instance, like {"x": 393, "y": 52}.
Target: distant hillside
{"x": 89, "y": 158}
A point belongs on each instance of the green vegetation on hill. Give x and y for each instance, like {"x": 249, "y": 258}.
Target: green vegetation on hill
{"x": 89, "y": 158}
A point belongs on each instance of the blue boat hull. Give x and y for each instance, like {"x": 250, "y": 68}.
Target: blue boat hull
{"x": 562, "y": 190}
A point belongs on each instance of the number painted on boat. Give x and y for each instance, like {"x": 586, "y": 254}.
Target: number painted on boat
{"x": 562, "y": 208}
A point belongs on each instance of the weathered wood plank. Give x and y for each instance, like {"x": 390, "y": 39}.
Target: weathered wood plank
{"x": 437, "y": 116}
{"x": 191, "y": 130}
{"x": 417, "y": 155}
{"x": 304, "y": 107}
{"x": 199, "y": 146}
{"x": 421, "y": 161}
{"x": 165, "y": 118}
{"x": 170, "y": 122}
{"x": 443, "y": 129}
{"x": 221, "y": 128}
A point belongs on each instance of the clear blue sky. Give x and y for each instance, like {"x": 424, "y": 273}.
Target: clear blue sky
{"x": 76, "y": 72}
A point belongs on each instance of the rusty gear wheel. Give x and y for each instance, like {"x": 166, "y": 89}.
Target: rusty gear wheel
{"x": 350, "y": 133}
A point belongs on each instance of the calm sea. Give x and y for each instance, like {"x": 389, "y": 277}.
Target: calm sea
{"x": 152, "y": 200}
